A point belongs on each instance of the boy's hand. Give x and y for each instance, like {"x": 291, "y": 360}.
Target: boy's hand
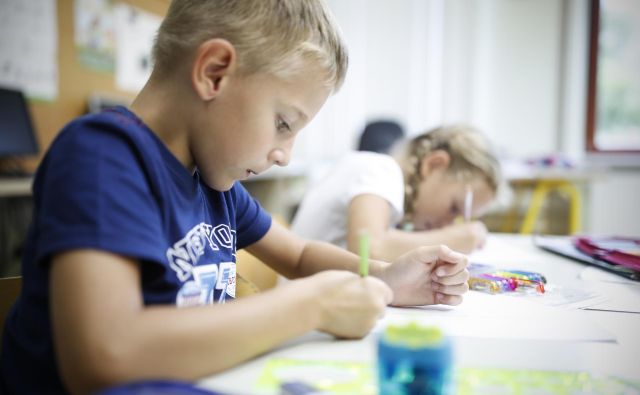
{"x": 428, "y": 275}
{"x": 350, "y": 305}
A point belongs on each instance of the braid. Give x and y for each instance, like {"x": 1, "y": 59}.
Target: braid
{"x": 418, "y": 148}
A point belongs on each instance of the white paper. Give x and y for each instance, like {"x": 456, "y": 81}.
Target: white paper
{"x": 95, "y": 33}
{"x": 570, "y": 298}
{"x": 620, "y": 298}
{"x": 29, "y": 47}
{"x": 502, "y": 317}
{"x": 135, "y": 32}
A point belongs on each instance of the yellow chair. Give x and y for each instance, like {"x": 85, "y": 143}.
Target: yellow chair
{"x": 542, "y": 182}
{"x": 542, "y": 189}
{"x": 252, "y": 274}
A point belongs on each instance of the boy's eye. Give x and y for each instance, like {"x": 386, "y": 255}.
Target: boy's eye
{"x": 282, "y": 126}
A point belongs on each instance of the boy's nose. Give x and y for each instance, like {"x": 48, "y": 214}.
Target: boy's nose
{"x": 281, "y": 156}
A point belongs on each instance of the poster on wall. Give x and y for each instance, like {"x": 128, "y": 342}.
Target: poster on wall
{"x": 29, "y": 47}
{"x": 94, "y": 34}
{"x": 135, "y": 32}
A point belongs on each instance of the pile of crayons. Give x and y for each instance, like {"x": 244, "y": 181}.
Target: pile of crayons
{"x": 488, "y": 279}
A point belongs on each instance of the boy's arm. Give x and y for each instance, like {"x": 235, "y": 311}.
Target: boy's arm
{"x": 104, "y": 334}
{"x": 424, "y": 275}
{"x": 295, "y": 257}
{"x": 372, "y": 212}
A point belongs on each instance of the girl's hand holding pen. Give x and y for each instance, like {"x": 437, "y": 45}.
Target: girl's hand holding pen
{"x": 427, "y": 275}
{"x": 467, "y": 237}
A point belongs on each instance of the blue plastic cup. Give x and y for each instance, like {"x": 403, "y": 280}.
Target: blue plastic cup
{"x": 414, "y": 360}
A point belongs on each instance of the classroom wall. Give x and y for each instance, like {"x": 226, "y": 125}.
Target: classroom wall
{"x": 425, "y": 63}
{"x": 75, "y": 81}
{"x": 613, "y": 208}
{"x": 515, "y": 68}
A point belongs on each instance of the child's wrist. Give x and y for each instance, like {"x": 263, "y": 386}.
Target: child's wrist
{"x": 377, "y": 268}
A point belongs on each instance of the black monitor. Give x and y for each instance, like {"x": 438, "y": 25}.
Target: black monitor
{"x": 16, "y": 130}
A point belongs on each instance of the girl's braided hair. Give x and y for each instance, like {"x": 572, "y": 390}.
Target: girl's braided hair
{"x": 471, "y": 156}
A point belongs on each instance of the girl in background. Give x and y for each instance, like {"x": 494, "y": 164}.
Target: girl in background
{"x": 408, "y": 199}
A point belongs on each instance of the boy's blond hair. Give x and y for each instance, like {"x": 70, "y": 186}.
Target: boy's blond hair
{"x": 471, "y": 156}
{"x": 279, "y": 37}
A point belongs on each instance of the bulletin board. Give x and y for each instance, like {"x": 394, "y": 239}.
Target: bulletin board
{"x": 76, "y": 82}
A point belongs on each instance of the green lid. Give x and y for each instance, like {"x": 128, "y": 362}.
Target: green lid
{"x": 413, "y": 335}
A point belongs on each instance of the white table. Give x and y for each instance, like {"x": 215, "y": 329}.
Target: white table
{"x": 617, "y": 355}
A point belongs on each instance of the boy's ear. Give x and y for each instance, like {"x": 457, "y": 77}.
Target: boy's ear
{"x": 438, "y": 159}
{"x": 215, "y": 60}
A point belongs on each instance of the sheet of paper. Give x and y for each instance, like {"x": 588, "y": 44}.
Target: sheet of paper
{"x": 499, "y": 316}
{"x": 570, "y": 297}
{"x": 135, "y": 30}
{"x": 620, "y": 298}
{"x": 94, "y": 33}
{"x": 29, "y": 47}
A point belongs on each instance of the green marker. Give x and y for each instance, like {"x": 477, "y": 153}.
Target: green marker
{"x": 364, "y": 254}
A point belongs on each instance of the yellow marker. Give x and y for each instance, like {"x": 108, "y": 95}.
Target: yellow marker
{"x": 364, "y": 254}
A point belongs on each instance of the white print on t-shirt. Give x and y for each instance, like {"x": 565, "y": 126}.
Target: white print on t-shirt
{"x": 188, "y": 295}
{"x": 184, "y": 254}
{"x": 207, "y": 279}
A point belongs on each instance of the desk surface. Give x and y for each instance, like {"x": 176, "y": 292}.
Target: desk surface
{"x": 604, "y": 342}
{"x": 19, "y": 186}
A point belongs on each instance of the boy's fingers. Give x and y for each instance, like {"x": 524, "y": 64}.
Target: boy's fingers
{"x": 446, "y": 269}
{"x": 452, "y": 300}
{"x": 457, "y": 289}
{"x": 456, "y": 278}
{"x": 432, "y": 254}
{"x": 449, "y": 262}
{"x": 448, "y": 255}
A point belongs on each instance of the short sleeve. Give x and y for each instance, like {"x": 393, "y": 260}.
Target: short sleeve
{"x": 252, "y": 221}
{"x": 379, "y": 175}
{"x": 95, "y": 194}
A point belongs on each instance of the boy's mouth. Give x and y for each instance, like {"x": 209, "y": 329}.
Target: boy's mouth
{"x": 251, "y": 173}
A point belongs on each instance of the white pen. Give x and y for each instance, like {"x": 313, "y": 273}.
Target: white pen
{"x": 468, "y": 203}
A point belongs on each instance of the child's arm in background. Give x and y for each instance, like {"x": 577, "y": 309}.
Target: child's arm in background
{"x": 372, "y": 213}
{"x": 105, "y": 335}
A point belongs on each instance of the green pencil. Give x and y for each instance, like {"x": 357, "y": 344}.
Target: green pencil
{"x": 364, "y": 254}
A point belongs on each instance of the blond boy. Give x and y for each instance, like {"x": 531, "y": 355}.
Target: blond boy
{"x": 138, "y": 211}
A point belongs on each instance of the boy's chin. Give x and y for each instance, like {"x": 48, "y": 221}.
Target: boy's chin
{"x": 220, "y": 185}
{"x": 224, "y": 186}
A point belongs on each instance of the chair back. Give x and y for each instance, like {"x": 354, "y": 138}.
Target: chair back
{"x": 9, "y": 291}
{"x": 380, "y": 136}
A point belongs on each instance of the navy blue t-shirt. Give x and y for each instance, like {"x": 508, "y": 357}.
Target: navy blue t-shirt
{"x": 109, "y": 183}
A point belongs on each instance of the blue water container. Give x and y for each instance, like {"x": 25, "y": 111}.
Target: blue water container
{"x": 414, "y": 360}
